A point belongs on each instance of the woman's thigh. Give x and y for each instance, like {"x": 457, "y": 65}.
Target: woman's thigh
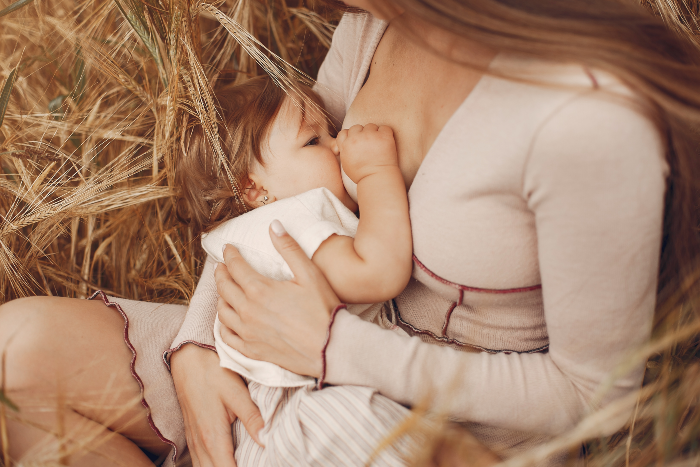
{"x": 69, "y": 356}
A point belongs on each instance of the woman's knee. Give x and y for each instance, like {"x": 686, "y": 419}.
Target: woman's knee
{"x": 41, "y": 336}
{"x": 25, "y": 335}
{"x": 19, "y": 313}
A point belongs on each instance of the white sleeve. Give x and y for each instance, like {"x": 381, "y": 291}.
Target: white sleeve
{"x": 310, "y": 218}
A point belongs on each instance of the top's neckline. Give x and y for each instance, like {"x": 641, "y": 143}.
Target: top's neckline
{"x": 365, "y": 69}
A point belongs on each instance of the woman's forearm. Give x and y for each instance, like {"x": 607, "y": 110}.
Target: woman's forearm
{"x": 522, "y": 392}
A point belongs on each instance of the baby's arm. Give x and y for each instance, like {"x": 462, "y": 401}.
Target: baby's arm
{"x": 375, "y": 265}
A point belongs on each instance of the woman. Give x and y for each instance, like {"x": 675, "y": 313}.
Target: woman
{"x": 537, "y": 205}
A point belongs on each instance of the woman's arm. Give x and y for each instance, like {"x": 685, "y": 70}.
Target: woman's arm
{"x": 210, "y": 397}
{"x": 595, "y": 180}
{"x": 198, "y": 327}
{"x": 375, "y": 265}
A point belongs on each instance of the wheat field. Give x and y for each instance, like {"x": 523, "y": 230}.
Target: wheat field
{"x": 96, "y": 96}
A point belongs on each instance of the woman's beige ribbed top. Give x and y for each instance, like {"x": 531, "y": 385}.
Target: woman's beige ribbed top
{"x": 536, "y": 220}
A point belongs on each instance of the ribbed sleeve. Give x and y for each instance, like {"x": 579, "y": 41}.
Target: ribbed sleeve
{"x": 198, "y": 327}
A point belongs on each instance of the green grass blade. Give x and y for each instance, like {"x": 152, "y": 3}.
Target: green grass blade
{"x": 15, "y": 6}
{"x": 55, "y": 107}
{"x": 141, "y": 28}
{"x": 78, "y": 76}
{"x": 5, "y": 95}
{"x": 4, "y": 400}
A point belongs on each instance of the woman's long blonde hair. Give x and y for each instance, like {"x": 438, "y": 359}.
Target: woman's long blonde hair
{"x": 625, "y": 39}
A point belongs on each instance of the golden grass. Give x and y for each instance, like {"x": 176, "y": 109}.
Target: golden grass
{"x": 97, "y": 94}
{"x": 91, "y": 133}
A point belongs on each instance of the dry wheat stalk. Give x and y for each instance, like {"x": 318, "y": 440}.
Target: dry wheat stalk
{"x": 100, "y": 93}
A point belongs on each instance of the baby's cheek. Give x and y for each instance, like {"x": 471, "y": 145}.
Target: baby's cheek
{"x": 333, "y": 180}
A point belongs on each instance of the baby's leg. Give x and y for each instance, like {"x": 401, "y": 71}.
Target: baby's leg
{"x": 270, "y": 401}
{"x": 246, "y": 451}
{"x": 342, "y": 425}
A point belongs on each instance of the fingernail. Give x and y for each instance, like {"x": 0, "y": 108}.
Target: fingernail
{"x": 223, "y": 249}
{"x": 278, "y": 228}
{"x": 260, "y": 439}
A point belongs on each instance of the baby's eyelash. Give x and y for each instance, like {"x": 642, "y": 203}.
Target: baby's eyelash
{"x": 308, "y": 143}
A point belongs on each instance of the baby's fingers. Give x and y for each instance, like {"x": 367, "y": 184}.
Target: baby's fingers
{"x": 340, "y": 139}
{"x": 386, "y": 129}
{"x": 370, "y": 127}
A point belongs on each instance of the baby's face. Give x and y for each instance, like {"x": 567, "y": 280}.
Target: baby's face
{"x": 300, "y": 156}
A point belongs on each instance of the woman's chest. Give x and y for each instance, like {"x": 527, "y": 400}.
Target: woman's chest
{"x": 470, "y": 218}
{"x": 414, "y": 93}
{"x": 471, "y": 222}
{"x": 465, "y": 166}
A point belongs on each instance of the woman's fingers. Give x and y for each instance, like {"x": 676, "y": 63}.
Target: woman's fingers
{"x": 217, "y": 451}
{"x": 283, "y": 322}
{"x": 249, "y": 414}
{"x": 232, "y": 339}
{"x": 227, "y": 315}
{"x": 291, "y": 252}
{"x": 211, "y": 443}
{"x": 239, "y": 269}
{"x": 228, "y": 287}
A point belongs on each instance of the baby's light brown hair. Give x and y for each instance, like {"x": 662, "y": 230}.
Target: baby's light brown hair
{"x": 246, "y": 112}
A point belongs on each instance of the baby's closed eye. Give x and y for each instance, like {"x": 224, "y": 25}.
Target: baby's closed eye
{"x": 312, "y": 142}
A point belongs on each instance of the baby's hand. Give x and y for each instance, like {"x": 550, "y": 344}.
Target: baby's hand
{"x": 366, "y": 150}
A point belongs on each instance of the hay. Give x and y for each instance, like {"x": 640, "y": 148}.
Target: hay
{"x": 95, "y": 95}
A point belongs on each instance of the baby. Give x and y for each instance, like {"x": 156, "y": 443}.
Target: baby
{"x": 288, "y": 166}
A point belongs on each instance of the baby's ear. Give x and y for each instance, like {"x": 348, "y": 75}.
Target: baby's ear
{"x": 251, "y": 192}
{"x": 254, "y": 194}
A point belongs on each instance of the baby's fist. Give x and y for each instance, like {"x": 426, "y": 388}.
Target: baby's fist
{"x": 365, "y": 150}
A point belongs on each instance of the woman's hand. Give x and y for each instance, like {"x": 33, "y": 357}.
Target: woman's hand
{"x": 211, "y": 398}
{"x": 283, "y": 322}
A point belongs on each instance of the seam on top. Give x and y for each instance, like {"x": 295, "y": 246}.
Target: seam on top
{"x": 366, "y": 60}
{"x": 538, "y": 131}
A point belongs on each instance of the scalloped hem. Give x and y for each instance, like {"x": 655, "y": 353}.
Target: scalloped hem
{"x": 117, "y": 304}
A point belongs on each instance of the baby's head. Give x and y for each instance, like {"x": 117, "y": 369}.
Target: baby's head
{"x": 274, "y": 149}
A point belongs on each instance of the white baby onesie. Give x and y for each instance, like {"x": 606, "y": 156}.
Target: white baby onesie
{"x": 303, "y": 425}
{"x": 310, "y": 218}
